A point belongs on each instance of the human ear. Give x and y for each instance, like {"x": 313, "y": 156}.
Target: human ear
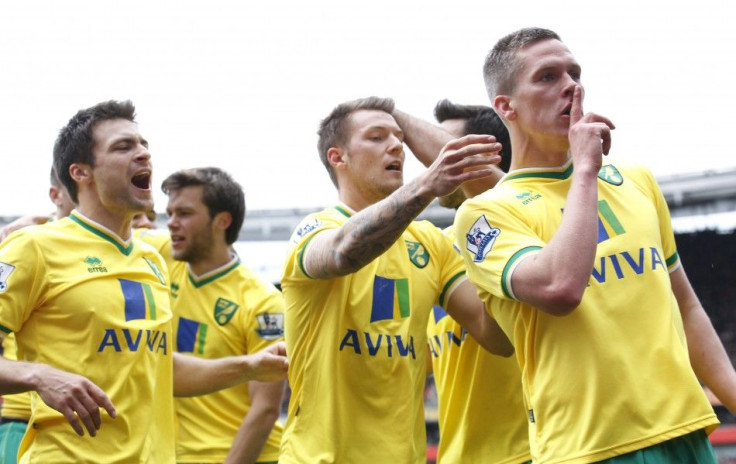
{"x": 81, "y": 173}
{"x": 504, "y": 106}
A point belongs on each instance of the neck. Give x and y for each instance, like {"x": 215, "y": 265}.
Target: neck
{"x": 220, "y": 256}
{"x": 355, "y": 202}
{"x": 537, "y": 152}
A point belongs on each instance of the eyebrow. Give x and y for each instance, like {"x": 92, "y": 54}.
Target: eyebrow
{"x": 130, "y": 138}
{"x": 393, "y": 130}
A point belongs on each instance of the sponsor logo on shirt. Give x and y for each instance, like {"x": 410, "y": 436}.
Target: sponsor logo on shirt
{"x": 270, "y": 325}
{"x": 608, "y": 224}
{"x": 95, "y": 264}
{"x": 224, "y": 310}
{"x": 374, "y": 344}
{"x": 644, "y": 259}
{"x": 442, "y": 340}
{"x": 480, "y": 238}
{"x": 528, "y": 197}
{"x": 139, "y": 305}
{"x": 132, "y": 339}
{"x": 390, "y": 299}
{"x": 191, "y": 336}
{"x": 5, "y": 271}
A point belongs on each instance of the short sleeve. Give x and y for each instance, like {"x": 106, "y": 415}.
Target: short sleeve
{"x": 21, "y": 267}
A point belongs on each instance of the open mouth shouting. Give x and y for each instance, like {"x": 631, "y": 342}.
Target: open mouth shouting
{"x": 142, "y": 180}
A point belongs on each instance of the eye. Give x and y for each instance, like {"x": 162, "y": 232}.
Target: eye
{"x": 547, "y": 77}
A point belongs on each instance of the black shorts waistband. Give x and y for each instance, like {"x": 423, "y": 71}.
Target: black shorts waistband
{"x": 8, "y": 420}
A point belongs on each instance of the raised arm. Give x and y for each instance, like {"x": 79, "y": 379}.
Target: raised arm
{"x": 370, "y": 232}
{"x": 196, "y": 376}
{"x": 468, "y": 310}
{"x": 708, "y": 357}
{"x": 537, "y": 280}
{"x": 20, "y": 223}
{"x": 426, "y": 140}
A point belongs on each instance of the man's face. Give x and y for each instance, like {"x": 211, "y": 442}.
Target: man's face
{"x": 122, "y": 170}
{"x": 145, "y": 220}
{"x": 542, "y": 97}
{"x": 190, "y": 225}
{"x": 374, "y": 155}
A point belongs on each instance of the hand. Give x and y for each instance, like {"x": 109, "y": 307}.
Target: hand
{"x": 449, "y": 170}
{"x": 589, "y": 134}
{"x": 76, "y": 397}
{"x": 21, "y": 222}
{"x": 270, "y": 364}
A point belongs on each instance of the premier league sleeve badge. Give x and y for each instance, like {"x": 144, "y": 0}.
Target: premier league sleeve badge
{"x": 480, "y": 238}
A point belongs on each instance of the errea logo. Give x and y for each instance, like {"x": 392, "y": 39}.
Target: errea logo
{"x": 528, "y": 197}
{"x": 95, "y": 264}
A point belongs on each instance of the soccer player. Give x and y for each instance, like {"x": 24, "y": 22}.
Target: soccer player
{"x": 577, "y": 261}
{"x": 145, "y": 220}
{"x": 89, "y": 307}
{"x": 359, "y": 282}
{"x": 482, "y": 417}
{"x": 220, "y": 309}
{"x": 16, "y": 409}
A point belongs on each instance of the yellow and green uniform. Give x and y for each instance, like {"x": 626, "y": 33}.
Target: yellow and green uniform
{"x": 356, "y": 346}
{"x": 16, "y": 410}
{"x": 82, "y": 300}
{"x": 160, "y": 239}
{"x": 482, "y": 417}
{"x": 225, "y": 312}
{"x": 613, "y": 376}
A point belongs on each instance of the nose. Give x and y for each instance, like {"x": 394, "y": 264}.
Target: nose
{"x": 171, "y": 222}
{"x": 569, "y": 86}
{"x": 396, "y": 145}
{"x": 143, "y": 153}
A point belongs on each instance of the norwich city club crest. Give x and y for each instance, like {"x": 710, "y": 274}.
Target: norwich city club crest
{"x": 610, "y": 174}
{"x": 417, "y": 254}
{"x": 224, "y": 310}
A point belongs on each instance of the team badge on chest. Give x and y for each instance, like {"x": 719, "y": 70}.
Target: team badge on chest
{"x": 224, "y": 310}
{"x": 418, "y": 255}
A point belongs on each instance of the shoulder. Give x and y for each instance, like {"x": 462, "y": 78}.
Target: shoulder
{"x": 328, "y": 218}
{"x": 255, "y": 282}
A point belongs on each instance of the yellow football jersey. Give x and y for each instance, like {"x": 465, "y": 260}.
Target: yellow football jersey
{"x": 226, "y": 312}
{"x": 357, "y": 347}
{"x": 81, "y": 299}
{"x": 16, "y": 406}
{"x": 599, "y": 381}
{"x": 482, "y": 417}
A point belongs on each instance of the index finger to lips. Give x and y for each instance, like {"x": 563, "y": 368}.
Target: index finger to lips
{"x": 576, "y": 111}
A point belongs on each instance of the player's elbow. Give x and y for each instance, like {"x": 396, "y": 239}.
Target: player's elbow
{"x": 561, "y": 300}
{"x": 268, "y": 413}
{"x": 502, "y": 348}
